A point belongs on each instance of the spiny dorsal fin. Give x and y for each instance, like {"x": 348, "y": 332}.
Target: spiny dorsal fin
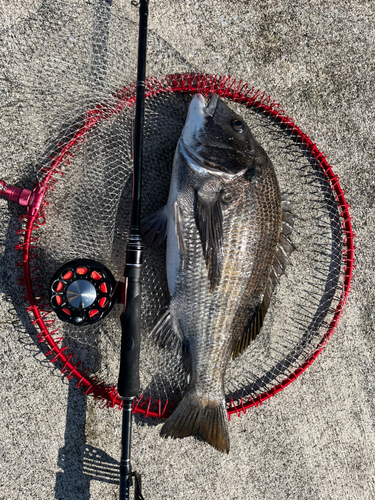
{"x": 287, "y": 217}
{"x": 283, "y": 250}
{"x": 209, "y": 221}
{"x": 284, "y": 247}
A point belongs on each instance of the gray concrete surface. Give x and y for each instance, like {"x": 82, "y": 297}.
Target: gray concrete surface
{"x": 315, "y": 440}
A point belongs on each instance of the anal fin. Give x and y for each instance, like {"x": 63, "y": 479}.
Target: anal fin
{"x": 162, "y": 332}
{"x": 178, "y": 227}
{"x": 167, "y": 334}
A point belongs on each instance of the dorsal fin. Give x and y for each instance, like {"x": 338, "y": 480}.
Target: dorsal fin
{"x": 283, "y": 249}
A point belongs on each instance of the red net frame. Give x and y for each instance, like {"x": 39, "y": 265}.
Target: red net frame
{"x": 237, "y": 91}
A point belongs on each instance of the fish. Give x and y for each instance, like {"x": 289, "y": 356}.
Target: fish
{"x": 226, "y": 246}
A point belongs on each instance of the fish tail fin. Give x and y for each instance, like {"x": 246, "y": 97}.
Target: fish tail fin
{"x": 196, "y": 416}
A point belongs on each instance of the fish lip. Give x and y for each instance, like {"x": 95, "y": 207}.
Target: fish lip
{"x": 211, "y": 106}
{"x": 199, "y": 165}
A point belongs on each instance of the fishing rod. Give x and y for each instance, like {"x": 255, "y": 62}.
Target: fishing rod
{"x": 128, "y": 382}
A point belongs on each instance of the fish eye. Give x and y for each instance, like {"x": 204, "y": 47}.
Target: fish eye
{"x": 238, "y": 126}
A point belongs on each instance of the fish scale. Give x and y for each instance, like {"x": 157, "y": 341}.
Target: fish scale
{"x": 223, "y": 223}
{"x": 210, "y": 315}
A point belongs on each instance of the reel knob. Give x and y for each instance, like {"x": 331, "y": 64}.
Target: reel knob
{"x": 82, "y": 292}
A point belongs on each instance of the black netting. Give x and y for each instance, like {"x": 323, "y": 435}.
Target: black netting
{"x": 88, "y": 217}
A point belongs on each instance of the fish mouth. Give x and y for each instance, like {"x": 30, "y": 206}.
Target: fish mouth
{"x": 202, "y": 166}
{"x": 198, "y": 102}
{"x": 210, "y": 109}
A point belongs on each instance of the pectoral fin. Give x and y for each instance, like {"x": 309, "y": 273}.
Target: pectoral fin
{"x": 209, "y": 221}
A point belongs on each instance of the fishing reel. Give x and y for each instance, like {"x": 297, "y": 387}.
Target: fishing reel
{"x": 83, "y": 292}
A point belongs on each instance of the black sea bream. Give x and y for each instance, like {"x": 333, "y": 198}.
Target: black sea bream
{"x": 223, "y": 225}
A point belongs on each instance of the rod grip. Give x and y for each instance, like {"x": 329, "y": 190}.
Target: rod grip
{"x": 128, "y": 382}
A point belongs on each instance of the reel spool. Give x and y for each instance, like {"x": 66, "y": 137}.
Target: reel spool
{"x": 82, "y": 292}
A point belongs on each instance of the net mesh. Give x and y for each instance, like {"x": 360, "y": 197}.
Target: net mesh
{"x": 75, "y": 106}
{"x": 88, "y": 214}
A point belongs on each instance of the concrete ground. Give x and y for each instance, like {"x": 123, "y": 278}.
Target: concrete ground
{"x": 314, "y": 440}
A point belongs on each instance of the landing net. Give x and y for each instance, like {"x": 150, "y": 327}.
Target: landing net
{"x": 68, "y": 116}
{"x": 88, "y": 191}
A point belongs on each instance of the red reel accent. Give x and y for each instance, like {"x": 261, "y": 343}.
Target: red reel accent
{"x": 92, "y": 305}
{"x": 81, "y": 270}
